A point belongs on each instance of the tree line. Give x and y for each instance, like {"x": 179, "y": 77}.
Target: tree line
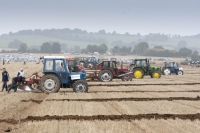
{"x": 141, "y": 49}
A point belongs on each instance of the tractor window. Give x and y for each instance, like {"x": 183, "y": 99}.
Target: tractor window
{"x": 70, "y": 63}
{"x": 59, "y": 66}
{"x": 144, "y": 63}
{"x": 49, "y": 65}
{"x": 105, "y": 65}
{"x": 171, "y": 64}
{"x": 138, "y": 63}
{"x": 113, "y": 65}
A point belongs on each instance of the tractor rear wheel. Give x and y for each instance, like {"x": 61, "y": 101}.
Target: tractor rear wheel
{"x": 156, "y": 75}
{"x": 90, "y": 65}
{"x": 80, "y": 86}
{"x": 166, "y": 71}
{"x": 49, "y": 83}
{"x": 138, "y": 73}
{"x": 81, "y": 63}
{"x": 105, "y": 76}
{"x": 180, "y": 72}
{"x": 127, "y": 77}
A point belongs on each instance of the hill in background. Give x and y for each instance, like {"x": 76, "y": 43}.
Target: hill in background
{"x": 78, "y": 37}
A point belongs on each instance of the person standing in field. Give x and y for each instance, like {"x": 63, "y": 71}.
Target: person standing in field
{"x": 5, "y": 79}
{"x": 20, "y": 73}
{"x": 3, "y": 61}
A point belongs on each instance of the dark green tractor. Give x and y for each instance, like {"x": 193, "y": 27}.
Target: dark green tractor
{"x": 142, "y": 68}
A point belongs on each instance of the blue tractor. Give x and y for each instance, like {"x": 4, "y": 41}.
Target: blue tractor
{"x": 172, "y": 67}
{"x": 56, "y": 75}
{"x": 88, "y": 62}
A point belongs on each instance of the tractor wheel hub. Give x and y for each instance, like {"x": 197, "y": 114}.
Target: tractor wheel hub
{"x": 49, "y": 84}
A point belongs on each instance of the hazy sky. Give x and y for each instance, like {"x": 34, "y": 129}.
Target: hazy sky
{"x": 133, "y": 16}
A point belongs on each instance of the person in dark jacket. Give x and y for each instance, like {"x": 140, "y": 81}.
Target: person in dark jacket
{"x": 5, "y": 79}
{"x": 15, "y": 82}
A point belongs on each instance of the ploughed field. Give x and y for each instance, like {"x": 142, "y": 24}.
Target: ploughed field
{"x": 168, "y": 104}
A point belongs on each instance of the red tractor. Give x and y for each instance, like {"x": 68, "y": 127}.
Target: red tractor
{"x": 107, "y": 70}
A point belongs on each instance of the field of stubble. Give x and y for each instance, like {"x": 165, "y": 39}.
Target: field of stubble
{"x": 169, "y": 104}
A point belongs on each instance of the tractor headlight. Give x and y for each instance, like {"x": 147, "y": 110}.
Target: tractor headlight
{"x": 180, "y": 68}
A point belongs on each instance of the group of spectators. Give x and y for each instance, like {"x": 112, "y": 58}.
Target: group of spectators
{"x": 18, "y": 80}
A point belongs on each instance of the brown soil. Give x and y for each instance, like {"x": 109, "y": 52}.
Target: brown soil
{"x": 65, "y": 92}
{"x": 118, "y": 99}
{"x": 162, "y": 84}
{"x": 106, "y": 117}
{"x": 32, "y": 100}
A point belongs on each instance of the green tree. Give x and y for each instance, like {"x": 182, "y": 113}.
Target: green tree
{"x": 195, "y": 56}
{"x": 23, "y": 47}
{"x": 46, "y": 47}
{"x": 125, "y": 50}
{"x": 185, "y": 52}
{"x": 158, "y": 47}
{"x": 55, "y": 48}
{"x": 83, "y": 51}
{"x": 92, "y": 48}
{"x": 115, "y": 50}
{"x": 102, "y": 48}
{"x": 140, "y": 48}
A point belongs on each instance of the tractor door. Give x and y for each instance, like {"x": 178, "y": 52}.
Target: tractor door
{"x": 61, "y": 70}
{"x": 176, "y": 67}
{"x": 171, "y": 66}
{"x": 113, "y": 67}
{"x": 145, "y": 65}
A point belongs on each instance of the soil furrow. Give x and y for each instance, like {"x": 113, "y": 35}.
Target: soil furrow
{"x": 63, "y": 92}
{"x": 106, "y": 117}
{"x": 118, "y": 99}
{"x": 143, "y": 84}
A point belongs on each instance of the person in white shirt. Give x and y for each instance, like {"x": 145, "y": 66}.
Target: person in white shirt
{"x": 20, "y": 73}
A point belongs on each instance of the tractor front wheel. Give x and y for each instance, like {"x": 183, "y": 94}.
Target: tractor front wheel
{"x": 80, "y": 86}
{"x": 90, "y": 65}
{"x": 81, "y": 63}
{"x": 49, "y": 83}
{"x": 138, "y": 73}
{"x": 166, "y": 71}
{"x": 180, "y": 72}
{"x": 127, "y": 77}
{"x": 156, "y": 75}
{"x": 105, "y": 76}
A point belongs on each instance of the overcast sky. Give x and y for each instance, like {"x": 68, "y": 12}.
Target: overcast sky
{"x": 133, "y": 16}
